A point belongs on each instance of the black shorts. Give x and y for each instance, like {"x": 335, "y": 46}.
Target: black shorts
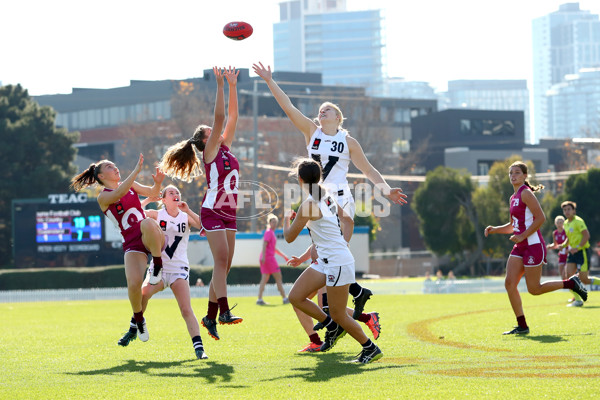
{"x": 581, "y": 259}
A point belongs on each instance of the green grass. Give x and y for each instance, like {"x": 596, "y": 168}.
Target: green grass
{"x": 435, "y": 346}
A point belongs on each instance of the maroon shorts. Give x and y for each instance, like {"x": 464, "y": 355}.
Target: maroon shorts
{"x": 562, "y": 258}
{"x": 136, "y": 243}
{"x": 217, "y": 221}
{"x": 532, "y": 255}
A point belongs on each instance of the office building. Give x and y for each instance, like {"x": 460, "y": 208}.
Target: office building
{"x": 501, "y": 95}
{"x": 564, "y": 42}
{"x": 346, "y": 47}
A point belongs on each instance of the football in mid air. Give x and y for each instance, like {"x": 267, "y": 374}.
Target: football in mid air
{"x": 237, "y": 30}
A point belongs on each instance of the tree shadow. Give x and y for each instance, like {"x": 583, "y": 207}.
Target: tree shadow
{"x": 333, "y": 366}
{"x": 211, "y": 371}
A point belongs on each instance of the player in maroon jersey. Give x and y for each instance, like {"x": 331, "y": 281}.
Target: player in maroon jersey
{"x": 529, "y": 252}
{"x": 119, "y": 201}
{"x": 218, "y": 211}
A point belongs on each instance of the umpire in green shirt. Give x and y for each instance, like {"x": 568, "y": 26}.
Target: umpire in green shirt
{"x": 578, "y": 240}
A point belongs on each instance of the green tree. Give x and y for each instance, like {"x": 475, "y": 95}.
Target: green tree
{"x": 36, "y": 156}
{"x": 449, "y": 222}
{"x": 583, "y": 189}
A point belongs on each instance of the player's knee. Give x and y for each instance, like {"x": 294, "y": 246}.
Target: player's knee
{"x": 536, "y": 290}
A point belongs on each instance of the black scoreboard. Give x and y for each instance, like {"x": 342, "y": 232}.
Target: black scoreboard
{"x": 63, "y": 230}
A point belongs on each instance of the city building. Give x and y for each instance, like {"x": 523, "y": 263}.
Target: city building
{"x": 315, "y": 36}
{"x": 574, "y": 105}
{"x": 564, "y": 42}
{"x": 508, "y": 95}
{"x": 472, "y": 140}
{"x": 400, "y": 88}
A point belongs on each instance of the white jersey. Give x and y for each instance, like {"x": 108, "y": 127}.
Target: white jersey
{"x": 177, "y": 234}
{"x": 334, "y": 156}
{"x": 326, "y": 234}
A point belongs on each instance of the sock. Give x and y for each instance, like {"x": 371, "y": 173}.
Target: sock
{"x": 138, "y": 316}
{"x": 132, "y": 325}
{"x": 368, "y": 345}
{"x": 521, "y": 321}
{"x": 568, "y": 284}
{"x": 576, "y": 296}
{"x": 364, "y": 318}
{"x": 329, "y": 323}
{"x": 355, "y": 289}
{"x": 314, "y": 338}
{"x": 197, "y": 341}
{"x": 223, "y": 305}
{"x": 213, "y": 308}
{"x": 157, "y": 265}
{"x": 324, "y": 297}
{"x": 595, "y": 281}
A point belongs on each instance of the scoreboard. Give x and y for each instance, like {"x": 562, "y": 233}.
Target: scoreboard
{"x": 63, "y": 230}
{"x": 67, "y": 226}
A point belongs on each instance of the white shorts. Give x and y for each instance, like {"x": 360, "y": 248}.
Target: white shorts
{"x": 168, "y": 277}
{"x": 335, "y": 275}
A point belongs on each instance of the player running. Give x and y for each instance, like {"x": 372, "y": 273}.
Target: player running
{"x": 529, "y": 252}
{"x": 330, "y": 229}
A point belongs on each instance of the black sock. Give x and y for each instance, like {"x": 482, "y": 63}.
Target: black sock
{"x": 157, "y": 265}
{"x": 330, "y": 324}
{"x": 355, "y": 289}
{"x": 132, "y": 325}
{"x": 368, "y": 345}
{"x": 324, "y": 297}
{"x": 197, "y": 341}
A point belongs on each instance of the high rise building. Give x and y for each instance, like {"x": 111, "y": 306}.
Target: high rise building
{"x": 322, "y": 36}
{"x": 564, "y": 42}
{"x": 500, "y": 95}
{"x": 574, "y": 106}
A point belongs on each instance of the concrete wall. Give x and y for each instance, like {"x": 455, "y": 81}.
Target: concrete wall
{"x": 249, "y": 245}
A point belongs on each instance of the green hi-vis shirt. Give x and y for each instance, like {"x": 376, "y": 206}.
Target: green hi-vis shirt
{"x": 574, "y": 231}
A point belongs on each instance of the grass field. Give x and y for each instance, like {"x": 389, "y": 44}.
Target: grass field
{"x": 435, "y": 346}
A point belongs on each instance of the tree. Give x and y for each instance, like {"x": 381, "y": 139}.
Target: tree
{"x": 36, "y": 156}
{"x": 449, "y": 222}
{"x": 583, "y": 189}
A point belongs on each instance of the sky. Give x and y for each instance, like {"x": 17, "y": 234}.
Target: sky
{"x": 53, "y": 46}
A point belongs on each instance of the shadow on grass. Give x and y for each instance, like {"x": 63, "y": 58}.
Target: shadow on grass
{"x": 334, "y": 365}
{"x": 544, "y": 338}
{"x": 211, "y": 371}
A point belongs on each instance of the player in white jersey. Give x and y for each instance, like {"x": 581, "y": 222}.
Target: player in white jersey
{"x": 175, "y": 220}
{"x": 329, "y": 144}
{"x": 330, "y": 229}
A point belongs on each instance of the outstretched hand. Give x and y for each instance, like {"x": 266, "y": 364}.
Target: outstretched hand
{"x": 397, "y": 196}
{"x": 139, "y": 164}
{"x": 263, "y": 72}
{"x": 231, "y": 75}
{"x": 158, "y": 177}
{"x": 219, "y": 76}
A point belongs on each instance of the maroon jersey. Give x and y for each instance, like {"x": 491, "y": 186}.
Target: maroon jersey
{"x": 222, "y": 176}
{"x": 559, "y": 238}
{"x": 522, "y": 218}
{"x": 127, "y": 213}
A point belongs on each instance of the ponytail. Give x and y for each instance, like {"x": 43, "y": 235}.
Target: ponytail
{"x": 181, "y": 161}
{"x": 87, "y": 177}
